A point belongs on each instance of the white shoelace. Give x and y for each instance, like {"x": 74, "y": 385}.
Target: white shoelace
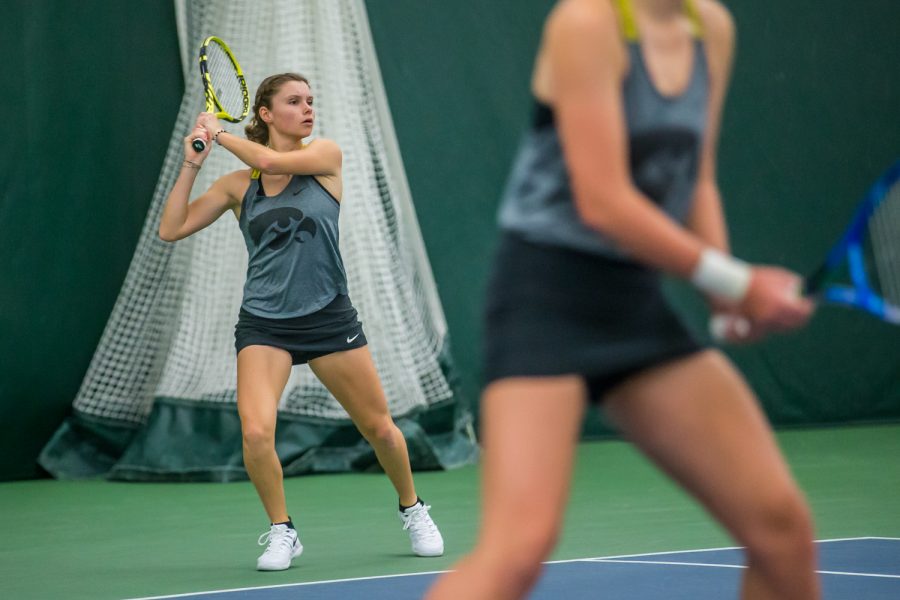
{"x": 420, "y": 522}
{"x": 276, "y": 538}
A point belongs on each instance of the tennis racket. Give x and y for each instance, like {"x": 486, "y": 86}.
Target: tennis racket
{"x": 862, "y": 270}
{"x": 223, "y": 84}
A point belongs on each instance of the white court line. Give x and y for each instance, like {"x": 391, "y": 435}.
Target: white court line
{"x": 853, "y": 539}
{"x": 284, "y": 585}
{"x": 848, "y": 539}
{"x": 859, "y": 574}
{"x": 667, "y": 562}
{"x": 648, "y": 554}
{"x": 719, "y": 566}
{"x": 551, "y": 562}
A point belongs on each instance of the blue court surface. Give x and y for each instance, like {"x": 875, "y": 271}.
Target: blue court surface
{"x": 850, "y": 569}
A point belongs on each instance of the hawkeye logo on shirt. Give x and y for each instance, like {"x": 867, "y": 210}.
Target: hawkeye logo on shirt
{"x": 284, "y": 225}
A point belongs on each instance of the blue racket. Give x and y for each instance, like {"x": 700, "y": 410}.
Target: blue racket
{"x": 868, "y": 255}
{"x": 862, "y": 270}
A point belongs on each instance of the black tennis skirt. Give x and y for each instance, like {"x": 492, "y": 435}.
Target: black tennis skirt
{"x": 556, "y": 311}
{"x": 334, "y": 328}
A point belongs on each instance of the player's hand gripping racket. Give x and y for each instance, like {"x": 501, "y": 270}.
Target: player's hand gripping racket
{"x": 862, "y": 270}
{"x": 223, "y": 84}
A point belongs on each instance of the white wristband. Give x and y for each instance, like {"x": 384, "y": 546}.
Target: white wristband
{"x": 721, "y": 275}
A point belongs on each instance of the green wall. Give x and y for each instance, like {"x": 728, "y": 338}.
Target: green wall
{"x": 811, "y": 119}
{"x": 93, "y": 93}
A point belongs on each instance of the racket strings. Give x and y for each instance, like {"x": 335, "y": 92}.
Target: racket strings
{"x": 884, "y": 228}
{"x": 225, "y": 80}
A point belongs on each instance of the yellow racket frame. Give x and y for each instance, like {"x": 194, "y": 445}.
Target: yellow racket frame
{"x": 212, "y": 102}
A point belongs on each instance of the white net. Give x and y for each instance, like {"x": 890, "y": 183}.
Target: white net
{"x": 171, "y": 331}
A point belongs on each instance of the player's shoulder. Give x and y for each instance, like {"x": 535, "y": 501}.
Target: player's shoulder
{"x": 577, "y": 29}
{"x": 234, "y": 183}
{"x": 328, "y": 151}
{"x": 717, "y": 20}
{"x": 324, "y": 145}
{"x": 718, "y": 33}
{"x": 236, "y": 177}
{"x": 586, "y": 17}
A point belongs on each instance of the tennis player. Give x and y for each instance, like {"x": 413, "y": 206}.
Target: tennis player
{"x": 295, "y": 308}
{"x": 615, "y": 183}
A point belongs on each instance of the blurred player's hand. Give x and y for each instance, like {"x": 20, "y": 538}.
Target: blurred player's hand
{"x": 774, "y": 302}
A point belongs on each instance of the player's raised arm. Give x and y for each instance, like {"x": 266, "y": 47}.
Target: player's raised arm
{"x": 181, "y": 218}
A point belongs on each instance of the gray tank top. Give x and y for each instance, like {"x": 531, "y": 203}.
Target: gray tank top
{"x": 294, "y": 266}
{"x": 665, "y": 135}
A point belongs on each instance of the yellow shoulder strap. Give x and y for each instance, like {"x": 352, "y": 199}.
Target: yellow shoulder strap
{"x": 629, "y": 24}
{"x": 690, "y": 9}
{"x": 626, "y": 20}
{"x": 254, "y": 174}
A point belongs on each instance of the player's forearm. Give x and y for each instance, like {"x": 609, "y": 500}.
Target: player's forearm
{"x": 645, "y": 232}
{"x": 253, "y": 155}
{"x": 175, "y": 210}
{"x": 650, "y": 236}
{"x": 707, "y": 219}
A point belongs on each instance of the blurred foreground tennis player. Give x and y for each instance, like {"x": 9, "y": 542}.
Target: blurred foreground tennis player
{"x": 295, "y": 308}
{"x": 614, "y": 183}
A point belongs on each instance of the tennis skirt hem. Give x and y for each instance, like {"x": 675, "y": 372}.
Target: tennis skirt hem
{"x": 334, "y": 328}
{"x": 554, "y": 311}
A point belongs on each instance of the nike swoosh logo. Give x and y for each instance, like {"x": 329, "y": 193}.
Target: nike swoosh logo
{"x": 350, "y": 339}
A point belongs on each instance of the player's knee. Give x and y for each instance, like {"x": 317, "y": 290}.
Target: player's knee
{"x": 782, "y": 530}
{"x": 257, "y": 437}
{"x": 527, "y": 557}
{"x": 522, "y": 549}
{"x": 380, "y": 432}
{"x": 517, "y": 567}
{"x": 536, "y": 545}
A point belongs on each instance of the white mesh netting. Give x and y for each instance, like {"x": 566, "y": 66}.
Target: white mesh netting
{"x": 171, "y": 330}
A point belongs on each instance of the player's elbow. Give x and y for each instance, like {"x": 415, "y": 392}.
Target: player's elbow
{"x": 269, "y": 162}
{"x": 596, "y": 210}
{"x": 599, "y": 197}
{"x": 167, "y": 235}
{"x": 267, "y": 165}
{"x": 594, "y": 217}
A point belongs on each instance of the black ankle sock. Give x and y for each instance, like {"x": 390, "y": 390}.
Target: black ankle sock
{"x": 418, "y": 501}
{"x": 289, "y": 523}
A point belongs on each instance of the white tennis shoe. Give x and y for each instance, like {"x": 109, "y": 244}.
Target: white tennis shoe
{"x": 283, "y": 546}
{"x": 423, "y": 533}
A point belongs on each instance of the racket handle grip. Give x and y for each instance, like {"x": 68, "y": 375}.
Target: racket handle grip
{"x": 721, "y": 325}
{"x": 198, "y": 144}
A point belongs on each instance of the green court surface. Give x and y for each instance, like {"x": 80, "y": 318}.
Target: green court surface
{"x": 97, "y": 539}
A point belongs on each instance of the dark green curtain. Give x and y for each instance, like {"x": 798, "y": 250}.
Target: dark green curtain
{"x": 90, "y": 96}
